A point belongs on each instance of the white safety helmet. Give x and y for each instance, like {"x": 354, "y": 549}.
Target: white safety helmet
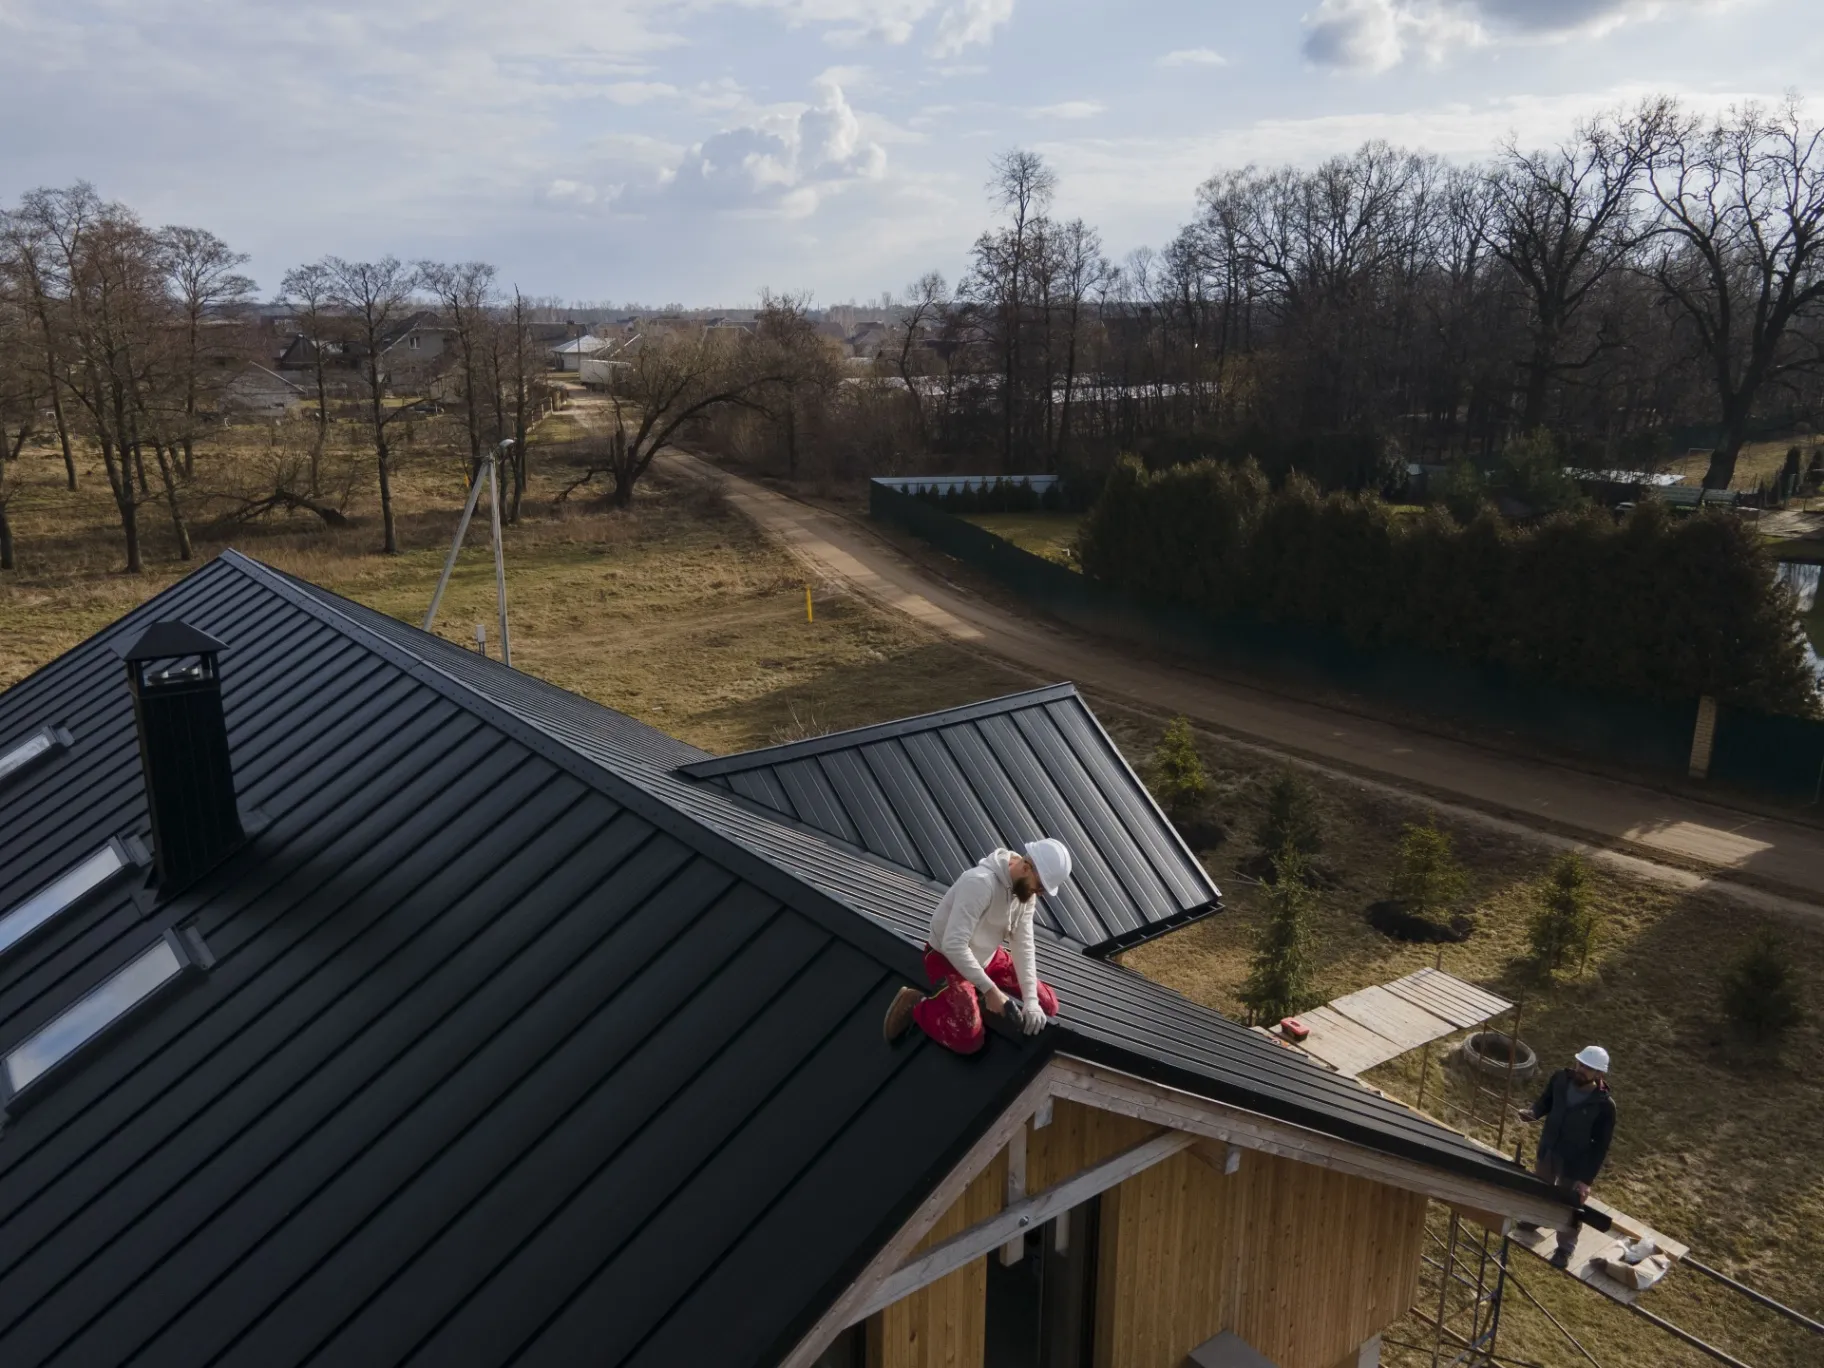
{"x": 1594, "y": 1057}
{"x": 1051, "y": 860}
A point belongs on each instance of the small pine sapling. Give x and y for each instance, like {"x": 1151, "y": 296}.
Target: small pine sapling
{"x": 1428, "y": 879}
{"x": 1291, "y": 817}
{"x": 1179, "y": 781}
{"x": 1279, "y": 979}
{"x": 1564, "y": 924}
{"x": 1760, "y": 992}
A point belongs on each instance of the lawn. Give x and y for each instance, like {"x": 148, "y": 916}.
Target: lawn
{"x": 1758, "y": 461}
{"x": 677, "y": 613}
{"x": 1051, "y": 535}
{"x": 674, "y": 611}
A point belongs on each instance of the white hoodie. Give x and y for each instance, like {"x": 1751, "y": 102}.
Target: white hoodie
{"x": 980, "y": 912}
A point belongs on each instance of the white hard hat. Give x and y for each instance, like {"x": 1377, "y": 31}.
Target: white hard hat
{"x": 1594, "y": 1057}
{"x": 1051, "y": 859}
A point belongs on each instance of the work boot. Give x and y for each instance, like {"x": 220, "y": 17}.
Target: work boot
{"x": 1561, "y": 1258}
{"x": 899, "y": 1014}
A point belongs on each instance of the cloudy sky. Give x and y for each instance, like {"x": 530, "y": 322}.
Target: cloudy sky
{"x": 698, "y": 150}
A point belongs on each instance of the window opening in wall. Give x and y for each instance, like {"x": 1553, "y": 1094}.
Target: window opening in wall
{"x": 68, "y": 889}
{"x": 1041, "y": 1309}
{"x": 96, "y": 1012}
{"x": 850, "y": 1349}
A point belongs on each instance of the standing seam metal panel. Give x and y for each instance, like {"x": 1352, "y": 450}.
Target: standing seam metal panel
{"x": 881, "y": 830}
{"x": 1136, "y": 812}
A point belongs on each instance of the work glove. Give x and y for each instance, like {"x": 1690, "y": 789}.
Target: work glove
{"x": 1032, "y": 1018}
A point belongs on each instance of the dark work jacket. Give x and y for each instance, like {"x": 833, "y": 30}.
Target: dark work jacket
{"x": 1576, "y": 1136}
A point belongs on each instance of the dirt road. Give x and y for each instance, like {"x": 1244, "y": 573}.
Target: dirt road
{"x": 1661, "y": 836}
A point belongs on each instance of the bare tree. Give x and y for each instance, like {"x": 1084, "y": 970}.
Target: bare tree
{"x": 922, "y": 312}
{"x": 1080, "y": 271}
{"x": 1562, "y": 220}
{"x": 114, "y": 300}
{"x": 1741, "y": 255}
{"x": 29, "y": 261}
{"x": 376, "y": 297}
{"x": 22, "y": 390}
{"x": 208, "y": 291}
{"x": 1021, "y": 187}
{"x": 309, "y": 289}
{"x": 671, "y": 380}
{"x": 465, "y": 293}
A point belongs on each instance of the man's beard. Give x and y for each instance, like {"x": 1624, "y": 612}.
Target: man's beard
{"x": 1025, "y": 888}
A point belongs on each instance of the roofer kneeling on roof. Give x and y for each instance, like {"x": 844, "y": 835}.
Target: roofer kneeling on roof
{"x": 987, "y": 910}
{"x": 1579, "y": 1118}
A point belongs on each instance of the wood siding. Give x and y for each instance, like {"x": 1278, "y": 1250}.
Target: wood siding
{"x": 1302, "y": 1262}
{"x": 941, "y": 1326}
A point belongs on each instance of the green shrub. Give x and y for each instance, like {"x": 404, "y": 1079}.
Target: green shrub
{"x": 1279, "y": 978}
{"x": 1428, "y": 878}
{"x": 1563, "y": 927}
{"x": 1178, "y": 779}
{"x": 1532, "y": 472}
{"x": 1760, "y": 991}
{"x": 1650, "y": 608}
{"x": 1291, "y": 817}
{"x": 1463, "y": 490}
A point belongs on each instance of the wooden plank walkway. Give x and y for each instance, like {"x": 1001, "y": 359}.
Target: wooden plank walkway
{"x": 1359, "y": 1030}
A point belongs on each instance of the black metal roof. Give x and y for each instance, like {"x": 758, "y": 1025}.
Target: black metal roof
{"x": 517, "y": 1046}
{"x": 936, "y": 793}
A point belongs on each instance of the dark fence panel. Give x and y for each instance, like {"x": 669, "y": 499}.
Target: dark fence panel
{"x": 1781, "y": 755}
{"x": 1778, "y": 756}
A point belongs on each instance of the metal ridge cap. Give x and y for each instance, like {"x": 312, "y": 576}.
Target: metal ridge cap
{"x": 848, "y": 739}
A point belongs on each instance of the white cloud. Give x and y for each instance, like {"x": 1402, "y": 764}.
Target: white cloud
{"x": 1375, "y": 35}
{"x": 1208, "y": 57}
{"x": 638, "y": 92}
{"x": 784, "y": 163}
{"x": 961, "y": 24}
{"x": 969, "y": 23}
{"x": 1069, "y": 109}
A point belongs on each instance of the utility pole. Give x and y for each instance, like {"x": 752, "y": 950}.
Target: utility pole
{"x": 492, "y": 460}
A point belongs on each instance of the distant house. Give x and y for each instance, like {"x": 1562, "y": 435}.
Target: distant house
{"x": 568, "y": 356}
{"x": 419, "y": 338}
{"x": 868, "y": 338}
{"x": 258, "y": 390}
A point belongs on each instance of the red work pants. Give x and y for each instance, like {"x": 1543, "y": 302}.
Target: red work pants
{"x": 952, "y": 1014}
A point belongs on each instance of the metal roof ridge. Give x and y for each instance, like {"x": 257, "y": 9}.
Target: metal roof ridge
{"x": 848, "y": 924}
{"x": 852, "y": 737}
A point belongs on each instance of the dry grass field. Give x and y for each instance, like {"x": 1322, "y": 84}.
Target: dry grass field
{"x": 676, "y": 612}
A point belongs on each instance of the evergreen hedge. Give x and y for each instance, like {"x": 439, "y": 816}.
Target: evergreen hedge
{"x": 1003, "y": 496}
{"x": 1650, "y": 607}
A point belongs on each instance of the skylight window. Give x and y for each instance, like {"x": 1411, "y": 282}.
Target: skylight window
{"x": 101, "y": 1009}
{"x": 17, "y": 759}
{"x": 66, "y": 891}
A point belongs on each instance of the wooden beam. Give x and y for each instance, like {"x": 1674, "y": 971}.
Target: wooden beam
{"x": 1042, "y": 1117}
{"x": 1012, "y": 1251}
{"x": 1096, "y": 1085}
{"x": 1057, "y": 1200}
{"x": 842, "y": 1313}
{"x": 1225, "y": 1159}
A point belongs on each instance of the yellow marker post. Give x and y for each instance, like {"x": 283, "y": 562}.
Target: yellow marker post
{"x": 807, "y": 604}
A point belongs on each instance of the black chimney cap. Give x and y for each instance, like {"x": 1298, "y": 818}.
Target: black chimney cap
{"x": 168, "y": 640}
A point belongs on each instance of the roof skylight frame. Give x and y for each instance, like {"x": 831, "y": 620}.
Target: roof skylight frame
{"x": 30, "y": 1067}
{"x": 31, "y": 751}
{"x": 75, "y": 885}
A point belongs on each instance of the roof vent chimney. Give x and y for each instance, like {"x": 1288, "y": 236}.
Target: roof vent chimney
{"x": 183, "y": 749}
